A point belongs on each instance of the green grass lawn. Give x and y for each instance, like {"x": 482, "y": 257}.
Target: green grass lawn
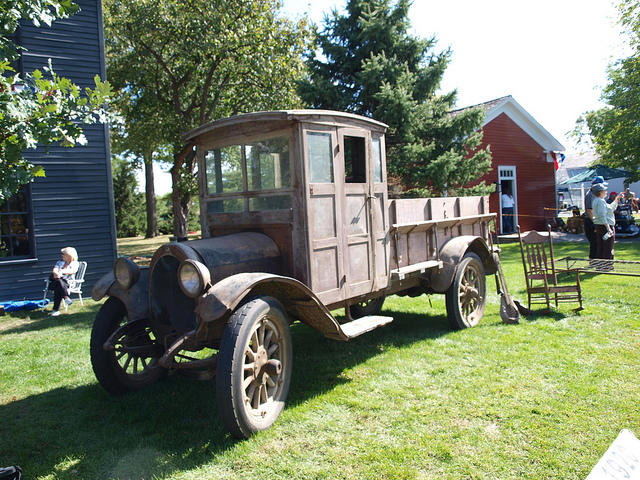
{"x": 543, "y": 399}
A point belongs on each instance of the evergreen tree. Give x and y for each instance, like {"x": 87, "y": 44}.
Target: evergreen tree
{"x": 368, "y": 64}
{"x": 128, "y": 202}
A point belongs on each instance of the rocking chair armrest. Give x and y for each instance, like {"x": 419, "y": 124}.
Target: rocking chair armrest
{"x": 567, "y": 270}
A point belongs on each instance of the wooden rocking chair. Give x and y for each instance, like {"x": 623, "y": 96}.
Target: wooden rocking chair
{"x": 541, "y": 274}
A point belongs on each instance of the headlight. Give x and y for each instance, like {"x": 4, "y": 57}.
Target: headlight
{"x": 126, "y": 272}
{"x": 194, "y": 278}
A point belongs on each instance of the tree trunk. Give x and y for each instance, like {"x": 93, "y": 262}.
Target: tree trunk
{"x": 150, "y": 196}
{"x": 180, "y": 214}
{"x": 183, "y": 164}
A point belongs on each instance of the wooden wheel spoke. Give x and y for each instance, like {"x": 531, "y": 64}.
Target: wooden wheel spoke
{"x": 255, "y": 403}
{"x": 272, "y": 349}
{"x": 251, "y": 391}
{"x": 125, "y": 367}
{"x": 267, "y": 338}
{"x": 251, "y": 355}
{"x": 264, "y": 397}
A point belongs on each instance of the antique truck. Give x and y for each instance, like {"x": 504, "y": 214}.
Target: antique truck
{"x": 296, "y": 223}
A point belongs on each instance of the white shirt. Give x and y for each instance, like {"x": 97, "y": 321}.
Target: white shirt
{"x": 507, "y": 201}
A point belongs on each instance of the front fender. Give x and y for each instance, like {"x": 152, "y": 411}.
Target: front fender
{"x": 136, "y": 299}
{"x": 217, "y": 304}
{"x": 451, "y": 254}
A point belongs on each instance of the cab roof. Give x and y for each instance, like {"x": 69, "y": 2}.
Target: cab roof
{"x": 283, "y": 116}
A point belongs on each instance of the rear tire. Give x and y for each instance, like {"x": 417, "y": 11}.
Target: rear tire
{"x": 122, "y": 370}
{"x": 366, "y": 308}
{"x": 467, "y": 296}
{"x": 254, "y": 367}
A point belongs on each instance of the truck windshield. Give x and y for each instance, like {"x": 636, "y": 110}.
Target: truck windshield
{"x": 267, "y": 167}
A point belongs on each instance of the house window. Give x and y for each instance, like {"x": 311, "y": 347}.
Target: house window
{"x": 16, "y": 233}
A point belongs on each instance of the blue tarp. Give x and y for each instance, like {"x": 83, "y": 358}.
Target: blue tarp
{"x": 26, "y": 304}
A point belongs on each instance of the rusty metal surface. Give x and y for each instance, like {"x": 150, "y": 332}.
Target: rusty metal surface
{"x": 100, "y": 288}
{"x": 172, "y": 312}
{"x": 136, "y": 299}
{"x": 451, "y": 254}
{"x": 298, "y": 300}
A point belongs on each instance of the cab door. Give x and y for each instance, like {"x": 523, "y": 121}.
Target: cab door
{"x": 364, "y": 199}
{"x": 347, "y": 212}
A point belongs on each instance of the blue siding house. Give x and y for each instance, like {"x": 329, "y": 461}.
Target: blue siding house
{"x": 73, "y": 205}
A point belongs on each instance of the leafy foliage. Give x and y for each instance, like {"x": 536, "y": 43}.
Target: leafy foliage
{"x": 165, "y": 215}
{"x": 129, "y": 203}
{"x": 180, "y": 64}
{"x": 615, "y": 129}
{"x": 368, "y": 64}
{"x": 36, "y": 11}
{"x": 42, "y": 108}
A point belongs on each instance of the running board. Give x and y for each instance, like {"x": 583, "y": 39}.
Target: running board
{"x": 364, "y": 325}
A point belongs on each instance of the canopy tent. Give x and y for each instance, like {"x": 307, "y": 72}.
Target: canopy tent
{"x": 595, "y": 171}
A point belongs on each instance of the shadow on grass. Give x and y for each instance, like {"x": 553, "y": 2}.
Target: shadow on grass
{"x": 37, "y": 320}
{"x": 319, "y": 361}
{"x": 84, "y": 432}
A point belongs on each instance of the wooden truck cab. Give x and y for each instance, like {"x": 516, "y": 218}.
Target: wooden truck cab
{"x": 314, "y": 181}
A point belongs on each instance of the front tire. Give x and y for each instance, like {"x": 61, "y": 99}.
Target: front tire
{"x": 133, "y": 364}
{"x": 466, "y": 298}
{"x": 254, "y": 367}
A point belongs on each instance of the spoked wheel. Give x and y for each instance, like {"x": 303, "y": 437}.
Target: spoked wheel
{"x": 254, "y": 367}
{"x": 467, "y": 296}
{"x": 366, "y": 308}
{"x": 133, "y": 362}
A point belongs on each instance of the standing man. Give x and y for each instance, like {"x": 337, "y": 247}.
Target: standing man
{"x": 589, "y": 228}
{"x": 507, "y": 211}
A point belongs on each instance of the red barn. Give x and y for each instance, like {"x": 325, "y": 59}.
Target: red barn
{"x": 523, "y": 162}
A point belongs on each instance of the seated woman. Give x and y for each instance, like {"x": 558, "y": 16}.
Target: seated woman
{"x": 64, "y": 271}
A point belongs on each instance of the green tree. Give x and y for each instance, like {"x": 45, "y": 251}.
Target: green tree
{"x": 614, "y": 129}
{"x": 41, "y": 108}
{"x": 128, "y": 202}
{"x": 136, "y": 141}
{"x": 185, "y": 63}
{"x": 367, "y": 63}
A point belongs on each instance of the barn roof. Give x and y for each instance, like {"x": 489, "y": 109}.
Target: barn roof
{"x": 520, "y": 117}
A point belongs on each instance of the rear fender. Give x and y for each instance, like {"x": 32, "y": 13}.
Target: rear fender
{"x": 136, "y": 299}
{"x": 451, "y": 254}
{"x": 218, "y": 303}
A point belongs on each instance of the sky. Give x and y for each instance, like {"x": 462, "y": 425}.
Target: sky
{"x": 550, "y": 55}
